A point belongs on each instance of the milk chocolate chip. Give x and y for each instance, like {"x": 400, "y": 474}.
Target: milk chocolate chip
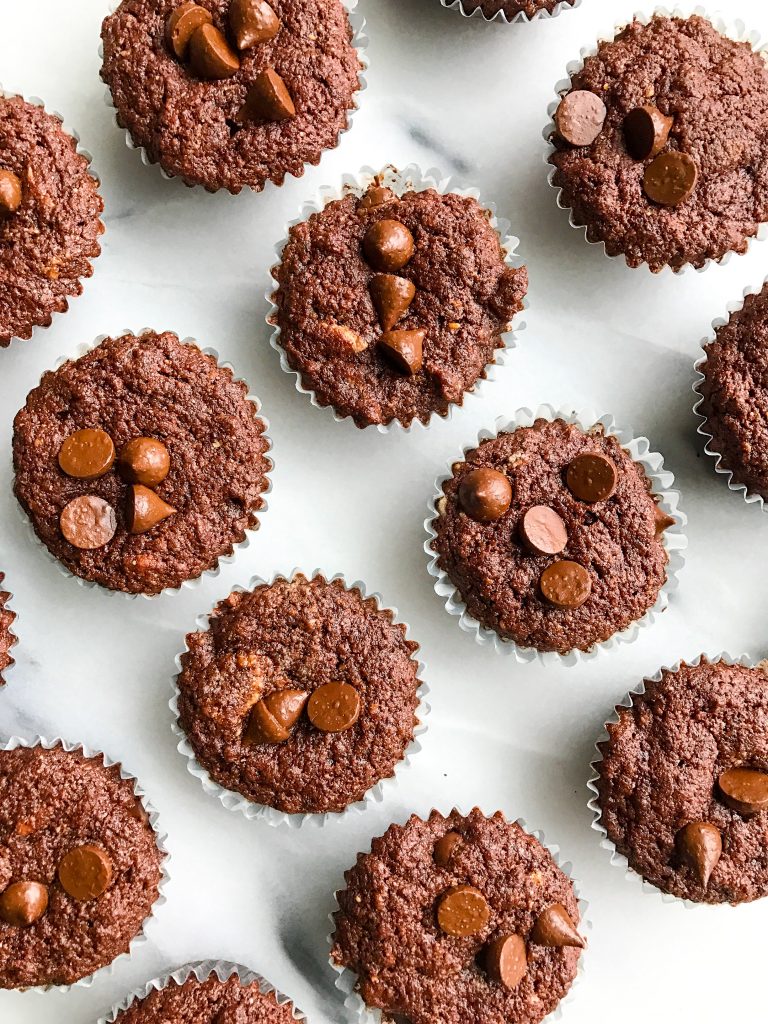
{"x": 445, "y": 847}
{"x": 580, "y": 117}
{"x": 268, "y": 99}
{"x": 662, "y": 521}
{"x": 144, "y": 460}
{"x": 87, "y": 454}
{"x": 23, "y": 903}
{"x": 554, "y": 927}
{"x": 88, "y": 522}
{"x": 85, "y": 872}
{"x": 376, "y": 195}
{"x": 463, "y": 911}
{"x": 388, "y": 245}
{"x": 252, "y": 22}
{"x": 391, "y": 297}
{"x": 334, "y": 707}
{"x": 506, "y": 961}
{"x": 700, "y": 846}
{"x": 273, "y": 718}
{"x": 404, "y": 349}
{"x": 210, "y": 54}
{"x": 744, "y": 790}
{"x": 10, "y": 193}
{"x": 591, "y": 477}
{"x": 646, "y": 131}
{"x": 485, "y": 494}
{"x": 182, "y": 24}
{"x": 565, "y": 584}
{"x": 670, "y": 179}
{"x": 543, "y": 531}
{"x": 145, "y": 509}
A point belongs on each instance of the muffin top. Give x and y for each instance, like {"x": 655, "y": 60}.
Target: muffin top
{"x": 300, "y": 696}
{"x": 390, "y": 307}
{"x": 551, "y": 536}
{"x": 458, "y": 919}
{"x": 511, "y": 8}
{"x": 662, "y": 144}
{"x": 208, "y": 1002}
{"x": 735, "y": 393}
{"x": 7, "y": 639}
{"x": 683, "y": 786}
{"x": 49, "y": 218}
{"x": 231, "y": 93}
{"x": 79, "y": 866}
{"x": 141, "y": 463}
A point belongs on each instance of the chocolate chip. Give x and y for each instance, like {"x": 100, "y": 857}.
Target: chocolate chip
{"x": 670, "y": 179}
{"x": 485, "y": 494}
{"x": 10, "y": 193}
{"x": 376, "y": 195}
{"x": 145, "y": 509}
{"x": 391, "y": 297}
{"x": 445, "y": 847}
{"x": 210, "y": 54}
{"x": 23, "y": 903}
{"x": 268, "y": 99}
{"x": 543, "y": 531}
{"x": 506, "y": 961}
{"x": 662, "y": 521}
{"x": 646, "y": 131}
{"x": 144, "y": 460}
{"x": 462, "y": 910}
{"x": 591, "y": 477}
{"x": 565, "y": 584}
{"x": 88, "y": 522}
{"x": 580, "y": 117}
{"x": 744, "y": 790}
{"x": 554, "y": 927}
{"x": 85, "y": 872}
{"x": 273, "y": 718}
{"x": 182, "y": 24}
{"x": 252, "y": 22}
{"x": 87, "y": 454}
{"x": 404, "y": 349}
{"x": 700, "y": 846}
{"x": 334, "y": 707}
{"x": 388, "y": 245}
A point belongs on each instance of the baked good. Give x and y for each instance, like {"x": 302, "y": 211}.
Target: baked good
{"x": 141, "y": 463}
{"x": 458, "y": 919}
{"x": 7, "y": 639}
{"x": 391, "y": 307}
{"x": 50, "y": 223}
{"x": 683, "y": 782}
{"x": 512, "y": 8}
{"x": 229, "y": 94}
{"x": 300, "y": 696}
{"x": 661, "y": 143}
{"x": 552, "y": 536}
{"x": 79, "y": 865}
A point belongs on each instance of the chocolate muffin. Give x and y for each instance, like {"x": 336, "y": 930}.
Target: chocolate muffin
{"x": 7, "y": 639}
{"x": 683, "y": 782}
{"x": 529, "y": 9}
{"x": 552, "y": 536}
{"x": 49, "y": 218}
{"x": 141, "y": 463}
{"x": 301, "y": 695}
{"x": 79, "y": 866}
{"x": 661, "y": 144}
{"x": 734, "y": 394}
{"x": 391, "y": 307}
{"x": 231, "y": 93}
{"x": 458, "y": 919}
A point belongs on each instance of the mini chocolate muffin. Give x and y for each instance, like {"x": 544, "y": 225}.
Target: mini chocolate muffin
{"x": 141, "y": 463}
{"x": 301, "y": 695}
{"x": 391, "y": 307}
{"x": 735, "y": 394}
{"x": 661, "y": 144}
{"x": 552, "y": 536}
{"x": 79, "y": 866}
{"x": 458, "y": 919}
{"x": 683, "y": 782}
{"x": 7, "y": 639}
{"x": 231, "y": 93}
{"x": 49, "y": 218}
{"x": 513, "y": 8}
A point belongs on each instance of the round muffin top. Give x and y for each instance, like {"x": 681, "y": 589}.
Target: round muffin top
{"x": 511, "y": 8}
{"x": 49, "y": 218}
{"x": 662, "y": 145}
{"x": 232, "y": 93}
{"x": 79, "y": 866}
{"x": 301, "y": 695}
{"x": 551, "y": 536}
{"x": 391, "y": 307}
{"x": 735, "y": 393}
{"x": 683, "y": 786}
{"x": 141, "y": 463}
{"x": 458, "y": 919}
{"x": 7, "y": 639}
{"x": 208, "y": 1002}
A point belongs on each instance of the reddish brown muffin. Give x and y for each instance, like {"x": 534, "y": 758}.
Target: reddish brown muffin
{"x": 7, "y": 639}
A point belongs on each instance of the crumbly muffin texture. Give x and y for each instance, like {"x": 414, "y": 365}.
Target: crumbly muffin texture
{"x": 208, "y": 1002}
{"x": 7, "y": 639}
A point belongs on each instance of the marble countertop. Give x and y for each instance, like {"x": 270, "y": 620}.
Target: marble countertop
{"x": 471, "y": 99}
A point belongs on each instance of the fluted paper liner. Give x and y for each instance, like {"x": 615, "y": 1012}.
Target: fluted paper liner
{"x": 11, "y": 668}
{"x": 500, "y": 16}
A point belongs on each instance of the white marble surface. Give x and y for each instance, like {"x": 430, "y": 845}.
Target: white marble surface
{"x": 470, "y": 98}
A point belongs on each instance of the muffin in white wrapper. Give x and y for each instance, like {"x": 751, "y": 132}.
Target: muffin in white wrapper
{"x": 466, "y": 10}
{"x": 8, "y": 637}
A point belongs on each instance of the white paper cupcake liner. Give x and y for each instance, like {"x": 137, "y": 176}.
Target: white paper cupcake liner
{"x": 11, "y": 668}
{"x": 87, "y": 156}
{"x": 661, "y": 481}
{"x": 234, "y": 801}
{"x": 500, "y": 16}
{"x": 410, "y": 179}
{"x": 160, "y": 839}
{"x": 702, "y": 430}
{"x": 617, "y": 859}
{"x": 735, "y": 30}
{"x": 360, "y": 43}
{"x": 202, "y": 970}
{"x": 222, "y": 560}
{"x": 357, "y": 1012}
